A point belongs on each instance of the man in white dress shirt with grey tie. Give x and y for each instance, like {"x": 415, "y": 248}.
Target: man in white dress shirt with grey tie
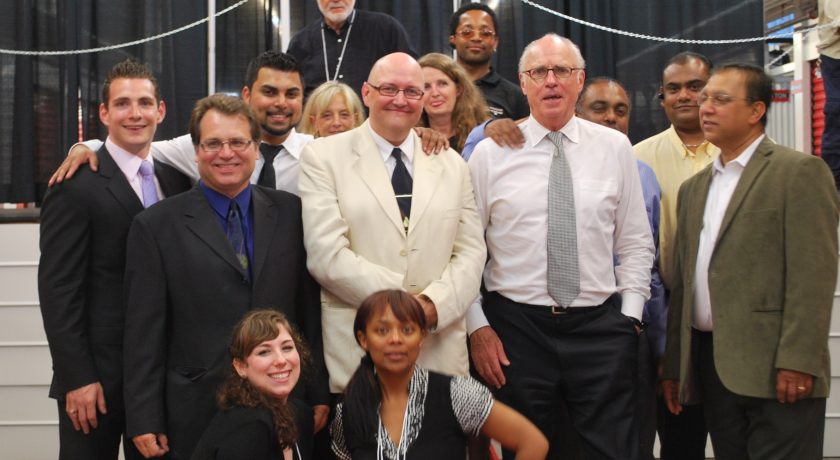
{"x": 559, "y": 322}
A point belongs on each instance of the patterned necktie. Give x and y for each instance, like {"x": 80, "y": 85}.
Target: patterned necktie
{"x": 236, "y": 236}
{"x": 563, "y": 273}
{"x": 147, "y": 183}
{"x": 402, "y": 183}
{"x": 267, "y": 178}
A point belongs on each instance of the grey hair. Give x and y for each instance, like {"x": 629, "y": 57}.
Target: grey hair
{"x": 529, "y": 48}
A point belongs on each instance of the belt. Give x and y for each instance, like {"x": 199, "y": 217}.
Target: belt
{"x": 558, "y": 310}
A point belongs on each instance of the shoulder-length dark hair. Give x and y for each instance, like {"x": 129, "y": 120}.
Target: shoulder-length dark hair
{"x": 363, "y": 395}
{"x": 254, "y": 328}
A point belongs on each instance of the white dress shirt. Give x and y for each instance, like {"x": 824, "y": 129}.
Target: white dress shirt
{"x": 180, "y": 154}
{"x": 129, "y": 164}
{"x": 511, "y": 187}
{"x": 722, "y": 186}
{"x": 385, "y": 149}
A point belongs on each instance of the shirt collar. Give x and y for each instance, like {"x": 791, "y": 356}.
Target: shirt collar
{"x": 536, "y": 131}
{"x": 704, "y": 147}
{"x": 294, "y": 143}
{"x": 221, "y": 203}
{"x": 492, "y": 78}
{"x": 128, "y": 162}
{"x": 741, "y": 160}
{"x": 385, "y": 147}
{"x": 347, "y": 22}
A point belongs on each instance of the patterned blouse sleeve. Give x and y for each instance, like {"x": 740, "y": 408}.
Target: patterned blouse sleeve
{"x": 337, "y": 435}
{"x": 471, "y": 402}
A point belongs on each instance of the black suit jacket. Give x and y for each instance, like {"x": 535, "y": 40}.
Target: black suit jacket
{"x": 84, "y": 224}
{"x": 185, "y": 291}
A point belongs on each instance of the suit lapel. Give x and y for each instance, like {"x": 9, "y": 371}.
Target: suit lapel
{"x": 118, "y": 185}
{"x": 265, "y": 223}
{"x": 201, "y": 220}
{"x": 372, "y": 171}
{"x": 427, "y": 170}
{"x": 694, "y": 220}
{"x": 751, "y": 172}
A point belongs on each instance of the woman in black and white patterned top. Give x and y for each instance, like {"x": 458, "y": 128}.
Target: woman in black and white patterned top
{"x": 396, "y": 410}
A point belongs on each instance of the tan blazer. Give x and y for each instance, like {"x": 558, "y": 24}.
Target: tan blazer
{"x": 771, "y": 276}
{"x": 357, "y": 245}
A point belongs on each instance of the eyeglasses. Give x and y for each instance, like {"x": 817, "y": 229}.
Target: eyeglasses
{"x": 560, "y": 72}
{"x": 483, "y": 33}
{"x": 720, "y": 99}
{"x": 392, "y": 91}
{"x": 238, "y": 144}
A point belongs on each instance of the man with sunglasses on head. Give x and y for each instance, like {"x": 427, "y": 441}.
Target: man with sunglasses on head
{"x": 754, "y": 276}
{"x": 556, "y": 211}
{"x": 473, "y": 33}
{"x": 378, "y": 214}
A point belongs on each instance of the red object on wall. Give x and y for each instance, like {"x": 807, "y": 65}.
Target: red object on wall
{"x": 817, "y": 104}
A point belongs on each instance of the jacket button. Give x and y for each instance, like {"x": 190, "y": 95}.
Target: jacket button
{"x": 403, "y": 253}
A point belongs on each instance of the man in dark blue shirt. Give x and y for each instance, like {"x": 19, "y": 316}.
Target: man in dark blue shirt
{"x": 194, "y": 266}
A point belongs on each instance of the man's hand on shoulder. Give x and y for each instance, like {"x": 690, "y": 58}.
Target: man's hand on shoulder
{"x": 76, "y": 157}
{"x": 81, "y": 405}
{"x": 505, "y": 132}
{"x": 432, "y": 141}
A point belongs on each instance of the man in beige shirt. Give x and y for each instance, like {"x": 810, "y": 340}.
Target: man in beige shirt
{"x": 676, "y": 154}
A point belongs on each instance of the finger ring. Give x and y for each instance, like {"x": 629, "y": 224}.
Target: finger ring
{"x": 72, "y": 411}
{"x": 800, "y": 388}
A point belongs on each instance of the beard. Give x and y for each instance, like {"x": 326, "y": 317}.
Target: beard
{"x": 337, "y": 18}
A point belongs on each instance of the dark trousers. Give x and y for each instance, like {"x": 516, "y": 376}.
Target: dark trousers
{"x": 744, "y": 427}
{"x": 101, "y": 443}
{"x": 586, "y": 359}
{"x": 681, "y": 437}
{"x": 830, "y": 69}
{"x": 646, "y": 398}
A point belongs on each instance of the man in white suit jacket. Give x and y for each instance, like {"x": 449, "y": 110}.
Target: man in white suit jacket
{"x": 358, "y": 242}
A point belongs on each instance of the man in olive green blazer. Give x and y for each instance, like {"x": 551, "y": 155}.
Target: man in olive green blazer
{"x": 756, "y": 267}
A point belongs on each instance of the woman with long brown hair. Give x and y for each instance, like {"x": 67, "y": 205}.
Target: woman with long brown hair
{"x": 258, "y": 418}
{"x": 453, "y": 105}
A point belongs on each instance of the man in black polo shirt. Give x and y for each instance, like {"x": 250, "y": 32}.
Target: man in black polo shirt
{"x": 472, "y": 32}
{"x": 352, "y": 40}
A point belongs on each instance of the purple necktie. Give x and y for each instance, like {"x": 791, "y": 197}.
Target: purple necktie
{"x": 147, "y": 173}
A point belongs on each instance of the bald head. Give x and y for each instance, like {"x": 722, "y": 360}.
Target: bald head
{"x": 393, "y": 116}
{"x": 551, "y": 76}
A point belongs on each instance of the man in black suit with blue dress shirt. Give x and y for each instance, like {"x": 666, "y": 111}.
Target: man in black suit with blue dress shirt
{"x": 195, "y": 265}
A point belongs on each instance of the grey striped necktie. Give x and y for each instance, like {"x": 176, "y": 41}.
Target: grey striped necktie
{"x": 563, "y": 273}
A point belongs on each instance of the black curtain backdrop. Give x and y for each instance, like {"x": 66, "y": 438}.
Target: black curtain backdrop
{"x": 41, "y": 96}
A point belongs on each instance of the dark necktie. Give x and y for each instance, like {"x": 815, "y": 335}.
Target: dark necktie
{"x": 267, "y": 178}
{"x": 402, "y": 183}
{"x": 236, "y": 236}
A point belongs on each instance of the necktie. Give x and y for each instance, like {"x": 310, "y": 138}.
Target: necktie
{"x": 147, "y": 183}
{"x": 563, "y": 273}
{"x": 236, "y": 236}
{"x": 267, "y": 178}
{"x": 402, "y": 183}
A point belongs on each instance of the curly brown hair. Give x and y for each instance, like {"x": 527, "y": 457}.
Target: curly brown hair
{"x": 253, "y": 329}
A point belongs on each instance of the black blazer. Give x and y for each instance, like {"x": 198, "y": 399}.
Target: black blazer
{"x": 84, "y": 224}
{"x": 185, "y": 290}
{"x": 245, "y": 433}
